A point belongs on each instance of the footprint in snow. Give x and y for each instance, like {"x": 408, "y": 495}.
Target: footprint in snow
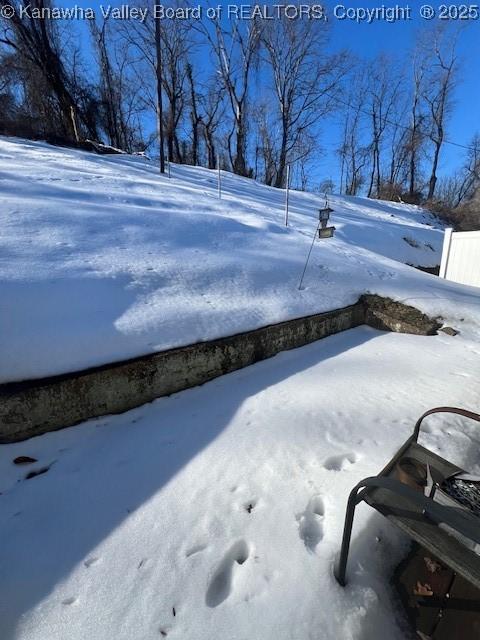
{"x": 339, "y": 462}
{"x": 164, "y": 631}
{"x": 310, "y": 523}
{"x": 88, "y": 563}
{"x": 220, "y": 585}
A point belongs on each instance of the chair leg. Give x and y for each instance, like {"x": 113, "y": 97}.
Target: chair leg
{"x": 341, "y": 564}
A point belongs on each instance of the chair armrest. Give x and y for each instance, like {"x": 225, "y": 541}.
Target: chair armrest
{"x": 460, "y": 412}
{"x": 457, "y": 518}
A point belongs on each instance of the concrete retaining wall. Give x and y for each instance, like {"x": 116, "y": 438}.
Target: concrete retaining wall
{"x": 35, "y": 407}
{"x": 388, "y": 315}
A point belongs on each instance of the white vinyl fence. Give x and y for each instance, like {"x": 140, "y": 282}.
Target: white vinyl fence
{"x": 461, "y": 257}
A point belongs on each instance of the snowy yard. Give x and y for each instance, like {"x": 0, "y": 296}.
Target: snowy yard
{"x": 217, "y": 512}
{"x": 102, "y": 259}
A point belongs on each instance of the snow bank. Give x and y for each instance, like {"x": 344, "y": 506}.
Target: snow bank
{"x": 102, "y": 259}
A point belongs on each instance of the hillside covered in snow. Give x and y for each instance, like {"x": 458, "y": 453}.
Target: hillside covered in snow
{"x": 103, "y": 259}
{"x": 215, "y": 513}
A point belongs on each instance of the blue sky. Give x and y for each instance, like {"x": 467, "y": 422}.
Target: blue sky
{"x": 397, "y": 38}
{"x": 366, "y": 40}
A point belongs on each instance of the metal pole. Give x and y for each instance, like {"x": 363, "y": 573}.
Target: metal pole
{"x": 286, "y": 195}
{"x": 219, "y": 178}
{"x": 308, "y": 257}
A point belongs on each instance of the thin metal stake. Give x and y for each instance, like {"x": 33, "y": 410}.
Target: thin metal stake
{"x": 219, "y": 178}
{"x": 287, "y": 194}
{"x": 308, "y": 257}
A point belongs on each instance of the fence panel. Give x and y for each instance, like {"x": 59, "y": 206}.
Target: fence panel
{"x": 461, "y": 257}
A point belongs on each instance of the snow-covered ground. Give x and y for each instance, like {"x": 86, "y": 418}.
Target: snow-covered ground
{"x": 216, "y": 513}
{"x": 102, "y": 259}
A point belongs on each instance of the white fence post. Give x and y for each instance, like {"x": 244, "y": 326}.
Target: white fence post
{"x": 447, "y": 243}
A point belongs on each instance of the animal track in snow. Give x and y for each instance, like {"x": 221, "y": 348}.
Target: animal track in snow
{"x": 69, "y": 601}
{"x": 310, "y": 523}
{"x": 196, "y": 549}
{"x": 381, "y": 275}
{"x": 250, "y": 505}
{"x": 221, "y": 583}
{"x": 339, "y": 462}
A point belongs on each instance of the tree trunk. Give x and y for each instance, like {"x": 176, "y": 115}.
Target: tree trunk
{"x": 378, "y": 172}
{"x": 158, "y": 48}
{"x": 211, "y": 156}
{"x": 282, "y": 162}
{"x": 195, "y": 118}
{"x": 433, "y": 178}
{"x": 372, "y": 177}
{"x": 239, "y": 162}
{"x": 413, "y": 163}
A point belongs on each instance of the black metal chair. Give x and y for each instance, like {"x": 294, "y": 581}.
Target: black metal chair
{"x": 416, "y": 514}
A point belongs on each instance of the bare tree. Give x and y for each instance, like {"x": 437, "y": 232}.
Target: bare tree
{"x": 37, "y": 47}
{"x": 212, "y": 112}
{"x": 458, "y": 196}
{"x": 470, "y": 182}
{"x": 163, "y": 45}
{"x": 176, "y": 44}
{"x": 195, "y": 116}
{"x": 304, "y": 80}
{"x": 383, "y": 92}
{"x": 119, "y": 95}
{"x": 353, "y": 152}
{"x": 235, "y": 50}
{"x": 266, "y": 152}
{"x": 461, "y": 187}
{"x": 417, "y": 119}
{"x": 9, "y": 110}
{"x": 146, "y": 40}
{"x": 438, "y": 94}
{"x": 396, "y": 174}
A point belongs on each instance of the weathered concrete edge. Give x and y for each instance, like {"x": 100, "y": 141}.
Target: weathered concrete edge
{"x": 389, "y": 315}
{"x": 34, "y": 407}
